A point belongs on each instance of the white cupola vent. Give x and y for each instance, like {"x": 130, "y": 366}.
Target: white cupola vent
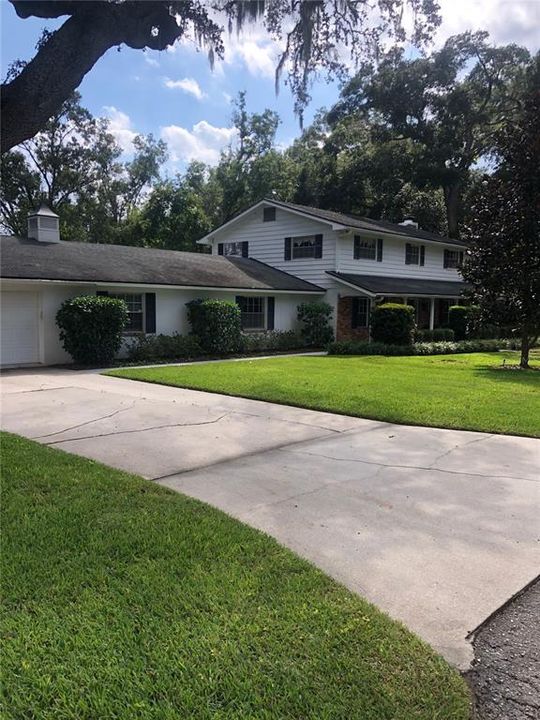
{"x": 44, "y": 225}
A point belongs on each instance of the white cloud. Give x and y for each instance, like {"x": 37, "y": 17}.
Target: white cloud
{"x": 120, "y": 126}
{"x": 203, "y": 142}
{"x": 150, "y": 60}
{"x": 256, "y": 51}
{"x": 507, "y": 21}
{"x": 188, "y": 85}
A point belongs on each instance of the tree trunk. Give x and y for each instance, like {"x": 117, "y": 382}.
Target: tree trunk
{"x": 525, "y": 347}
{"x": 452, "y": 201}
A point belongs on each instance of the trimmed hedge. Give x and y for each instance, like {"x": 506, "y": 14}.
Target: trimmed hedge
{"x": 458, "y": 320}
{"x": 315, "y": 317}
{"x": 272, "y": 340}
{"x": 216, "y": 324}
{"x": 91, "y": 328}
{"x": 435, "y": 335}
{"x": 392, "y": 323}
{"x": 356, "y": 347}
{"x": 164, "y": 347}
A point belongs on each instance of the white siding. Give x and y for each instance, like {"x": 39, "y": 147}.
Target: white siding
{"x": 171, "y": 311}
{"x": 267, "y": 243}
{"x": 393, "y": 262}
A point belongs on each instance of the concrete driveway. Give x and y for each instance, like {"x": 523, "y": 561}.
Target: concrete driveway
{"x": 436, "y": 527}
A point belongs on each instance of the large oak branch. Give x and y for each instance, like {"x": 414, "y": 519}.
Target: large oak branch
{"x": 63, "y": 60}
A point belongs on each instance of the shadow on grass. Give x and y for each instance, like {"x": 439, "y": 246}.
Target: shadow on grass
{"x": 510, "y": 374}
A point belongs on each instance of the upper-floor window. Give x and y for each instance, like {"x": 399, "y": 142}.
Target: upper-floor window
{"x": 135, "y": 306}
{"x": 269, "y": 214}
{"x": 233, "y": 249}
{"x": 303, "y": 246}
{"x": 414, "y": 254}
{"x": 252, "y": 312}
{"x": 367, "y": 248}
{"x": 453, "y": 258}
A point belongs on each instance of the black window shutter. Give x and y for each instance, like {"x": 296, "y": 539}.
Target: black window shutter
{"x": 354, "y": 312}
{"x": 379, "y": 249}
{"x": 270, "y": 306}
{"x": 288, "y": 244}
{"x": 245, "y": 248}
{"x": 150, "y": 312}
{"x": 407, "y": 253}
{"x": 220, "y": 249}
{"x": 445, "y": 263}
{"x": 356, "y": 247}
{"x": 422, "y": 254}
{"x": 102, "y": 293}
{"x": 318, "y": 246}
{"x": 461, "y": 258}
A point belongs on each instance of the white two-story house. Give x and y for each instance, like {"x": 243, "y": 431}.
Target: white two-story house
{"x": 357, "y": 261}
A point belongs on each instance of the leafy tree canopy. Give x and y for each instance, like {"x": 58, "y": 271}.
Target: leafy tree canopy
{"x": 316, "y": 35}
{"x": 503, "y": 264}
{"x": 449, "y": 105}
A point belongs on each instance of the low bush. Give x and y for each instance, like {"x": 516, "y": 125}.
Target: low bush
{"x": 91, "y": 328}
{"x": 216, "y": 324}
{"x": 164, "y": 347}
{"x": 272, "y": 340}
{"x": 356, "y": 347}
{"x": 315, "y": 318}
{"x": 435, "y": 335}
{"x": 392, "y": 324}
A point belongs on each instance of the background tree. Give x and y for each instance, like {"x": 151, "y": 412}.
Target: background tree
{"x": 504, "y": 258}
{"x": 74, "y": 166}
{"x": 317, "y": 35}
{"x": 449, "y": 105}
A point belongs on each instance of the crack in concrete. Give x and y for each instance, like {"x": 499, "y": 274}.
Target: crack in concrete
{"x": 487, "y": 476}
{"x": 459, "y": 447}
{"x": 137, "y": 430}
{"x": 6, "y": 391}
{"x": 87, "y": 422}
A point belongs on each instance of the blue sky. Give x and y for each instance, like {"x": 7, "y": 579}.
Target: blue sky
{"x": 176, "y": 95}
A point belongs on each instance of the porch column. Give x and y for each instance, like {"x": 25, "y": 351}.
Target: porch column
{"x": 431, "y": 313}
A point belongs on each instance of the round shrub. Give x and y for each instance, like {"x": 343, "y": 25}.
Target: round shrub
{"x": 316, "y": 329}
{"x": 216, "y": 324}
{"x": 91, "y": 328}
{"x": 392, "y": 324}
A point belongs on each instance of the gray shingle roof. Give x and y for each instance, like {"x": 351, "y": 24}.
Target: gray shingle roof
{"x": 363, "y": 223}
{"x": 86, "y": 262}
{"x": 383, "y": 285}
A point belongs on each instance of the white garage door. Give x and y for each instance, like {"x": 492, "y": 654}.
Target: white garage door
{"x": 19, "y": 328}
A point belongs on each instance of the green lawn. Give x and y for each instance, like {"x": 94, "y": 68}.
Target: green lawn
{"x": 125, "y": 600}
{"x": 456, "y": 391}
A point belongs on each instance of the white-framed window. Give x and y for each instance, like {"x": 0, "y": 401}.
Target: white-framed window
{"x": 303, "y": 246}
{"x": 365, "y": 248}
{"x": 414, "y": 254}
{"x": 135, "y": 306}
{"x": 232, "y": 249}
{"x": 361, "y": 309}
{"x": 453, "y": 259}
{"x": 253, "y": 312}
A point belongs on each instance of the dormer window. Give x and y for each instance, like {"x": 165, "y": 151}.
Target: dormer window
{"x": 269, "y": 214}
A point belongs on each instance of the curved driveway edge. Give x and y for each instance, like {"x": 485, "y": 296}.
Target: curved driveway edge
{"x": 437, "y": 527}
